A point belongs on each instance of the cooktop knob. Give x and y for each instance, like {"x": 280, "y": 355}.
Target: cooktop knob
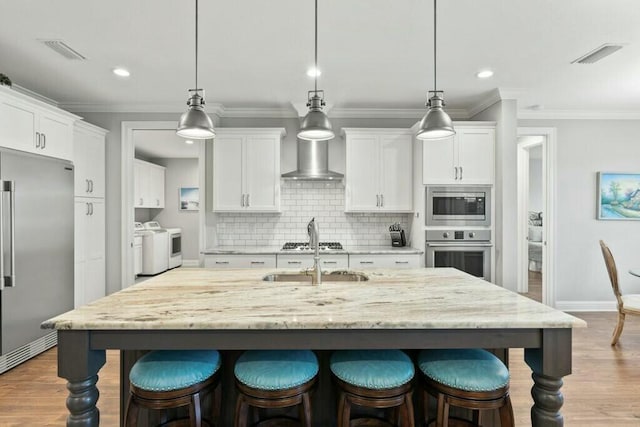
{"x": 445, "y": 234}
{"x": 472, "y": 235}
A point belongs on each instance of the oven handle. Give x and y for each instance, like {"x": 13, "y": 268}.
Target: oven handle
{"x": 466, "y": 245}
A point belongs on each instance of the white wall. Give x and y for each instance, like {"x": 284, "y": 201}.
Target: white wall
{"x": 585, "y": 147}
{"x": 180, "y": 173}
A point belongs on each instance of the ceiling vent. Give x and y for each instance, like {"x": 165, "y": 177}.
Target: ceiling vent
{"x": 63, "y": 49}
{"x": 598, "y": 53}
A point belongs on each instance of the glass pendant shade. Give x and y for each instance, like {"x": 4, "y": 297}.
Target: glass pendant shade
{"x": 316, "y": 125}
{"x": 195, "y": 123}
{"x": 436, "y": 124}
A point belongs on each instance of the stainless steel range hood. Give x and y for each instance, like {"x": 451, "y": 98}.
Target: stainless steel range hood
{"x": 313, "y": 163}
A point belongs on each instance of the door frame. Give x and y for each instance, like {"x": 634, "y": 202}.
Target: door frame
{"x": 548, "y": 224}
{"x": 127, "y": 214}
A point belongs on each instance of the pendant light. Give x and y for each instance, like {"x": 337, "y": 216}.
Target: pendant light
{"x": 316, "y": 125}
{"x": 436, "y": 124}
{"x": 195, "y": 123}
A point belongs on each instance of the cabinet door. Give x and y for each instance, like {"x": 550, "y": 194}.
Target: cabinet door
{"x": 227, "y": 173}
{"x": 56, "y": 137}
{"x": 156, "y": 186}
{"x": 261, "y": 173}
{"x": 396, "y": 173}
{"x": 476, "y": 155}
{"x": 362, "y": 174}
{"x": 139, "y": 182}
{"x": 89, "y": 161}
{"x": 439, "y": 157}
{"x": 17, "y": 126}
{"x": 95, "y": 252}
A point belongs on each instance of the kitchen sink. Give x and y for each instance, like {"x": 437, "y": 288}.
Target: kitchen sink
{"x": 333, "y": 276}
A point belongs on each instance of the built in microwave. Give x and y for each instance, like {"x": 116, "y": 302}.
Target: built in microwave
{"x": 458, "y": 206}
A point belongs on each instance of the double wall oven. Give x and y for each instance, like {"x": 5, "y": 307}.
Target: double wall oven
{"x": 458, "y": 233}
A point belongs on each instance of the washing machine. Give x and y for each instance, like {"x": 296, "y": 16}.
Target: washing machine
{"x": 155, "y": 249}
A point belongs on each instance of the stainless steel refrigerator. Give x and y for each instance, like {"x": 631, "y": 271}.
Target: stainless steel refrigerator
{"x": 36, "y": 251}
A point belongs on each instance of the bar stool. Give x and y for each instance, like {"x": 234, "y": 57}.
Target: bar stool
{"x": 166, "y": 379}
{"x": 379, "y": 379}
{"x": 275, "y": 379}
{"x": 468, "y": 378}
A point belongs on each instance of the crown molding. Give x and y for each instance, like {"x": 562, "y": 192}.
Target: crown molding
{"x": 578, "y": 115}
{"x": 275, "y": 112}
{"x": 35, "y": 95}
{"x": 389, "y": 113}
{"x": 496, "y": 95}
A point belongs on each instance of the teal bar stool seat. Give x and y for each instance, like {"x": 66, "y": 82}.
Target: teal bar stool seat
{"x": 468, "y": 378}
{"x": 166, "y": 379}
{"x": 275, "y": 379}
{"x": 377, "y": 379}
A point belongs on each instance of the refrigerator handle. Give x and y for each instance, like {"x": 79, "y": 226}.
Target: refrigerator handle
{"x": 10, "y": 279}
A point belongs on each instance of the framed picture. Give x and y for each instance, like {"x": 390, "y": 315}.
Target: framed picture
{"x": 189, "y": 199}
{"x": 618, "y": 196}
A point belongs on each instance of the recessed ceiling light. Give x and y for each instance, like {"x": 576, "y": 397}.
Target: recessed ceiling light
{"x": 484, "y": 74}
{"x": 188, "y": 141}
{"x": 313, "y": 72}
{"x": 121, "y": 72}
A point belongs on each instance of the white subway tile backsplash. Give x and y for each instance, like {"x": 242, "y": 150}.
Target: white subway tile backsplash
{"x": 300, "y": 201}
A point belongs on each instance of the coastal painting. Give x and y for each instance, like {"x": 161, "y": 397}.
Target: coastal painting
{"x": 618, "y": 196}
{"x": 189, "y": 199}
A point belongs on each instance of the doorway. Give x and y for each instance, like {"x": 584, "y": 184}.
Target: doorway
{"x": 535, "y": 172}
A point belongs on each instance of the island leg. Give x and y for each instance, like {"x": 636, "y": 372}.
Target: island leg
{"x": 549, "y": 364}
{"x": 79, "y": 365}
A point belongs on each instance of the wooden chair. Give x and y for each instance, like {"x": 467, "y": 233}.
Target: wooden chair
{"x": 627, "y": 304}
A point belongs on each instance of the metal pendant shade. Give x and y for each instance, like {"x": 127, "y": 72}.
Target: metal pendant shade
{"x": 316, "y": 125}
{"x": 195, "y": 123}
{"x": 436, "y": 124}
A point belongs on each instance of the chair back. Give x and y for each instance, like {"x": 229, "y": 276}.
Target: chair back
{"x": 612, "y": 270}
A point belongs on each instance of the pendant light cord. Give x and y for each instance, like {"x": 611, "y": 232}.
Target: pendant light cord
{"x": 196, "y": 46}
{"x": 435, "y": 87}
{"x": 316, "y": 51}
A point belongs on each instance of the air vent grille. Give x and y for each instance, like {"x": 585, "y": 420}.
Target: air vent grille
{"x": 64, "y": 49}
{"x": 598, "y": 53}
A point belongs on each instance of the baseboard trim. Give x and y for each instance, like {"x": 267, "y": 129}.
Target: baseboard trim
{"x": 586, "y": 305}
{"x": 191, "y": 263}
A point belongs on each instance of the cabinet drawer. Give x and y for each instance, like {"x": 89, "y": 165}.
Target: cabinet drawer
{"x": 328, "y": 262}
{"x": 240, "y": 261}
{"x": 384, "y": 261}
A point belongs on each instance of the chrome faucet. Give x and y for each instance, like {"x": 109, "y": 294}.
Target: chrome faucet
{"x": 313, "y": 230}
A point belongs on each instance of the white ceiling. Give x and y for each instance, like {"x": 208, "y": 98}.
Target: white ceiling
{"x": 163, "y": 144}
{"x": 373, "y": 53}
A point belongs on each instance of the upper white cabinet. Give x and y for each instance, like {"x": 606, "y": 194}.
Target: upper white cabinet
{"x": 89, "y": 160}
{"x": 246, "y": 169}
{"x": 149, "y": 183}
{"x": 379, "y": 170}
{"x": 465, "y": 158}
{"x": 33, "y": 126}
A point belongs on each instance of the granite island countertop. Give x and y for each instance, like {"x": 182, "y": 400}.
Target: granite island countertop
{"x": 277, "y": 250}
{"x": 238, "y": 299}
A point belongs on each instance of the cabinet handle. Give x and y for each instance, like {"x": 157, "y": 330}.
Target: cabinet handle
{"x": 242, "y": 201}
{"x": 157, "y": 202}
{"x": 402, "y": 262}
{"x": 248, "y": 202}
{"x": 377, "y": 200}
{"x": 141, "y": 201}
{"x": 37, "y": 139}
{"x": 44, "y": 141}
{"x": 294, "y": 262}
{"x": 91, "y": 209}
{"x": 382, "y": 200}
{"x": 456, "y": 168}
{"x": 91, "y": 181}
{"x": 88, "y": 186}
{"x": 88, "y": 209}
{"x": 329, "y": 262}
{"x": 461, "y": 173}
{"x": 366, "y": 262}
{"x": 222, "y": 262}
{"x": 257, "y": 262}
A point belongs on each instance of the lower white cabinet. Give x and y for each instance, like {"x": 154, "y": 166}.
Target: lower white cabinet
{"x": 89, "y": 240}
{"x": 137, "y": 255}
{"x": 327, "y": 261}
{"x": 240, "y": 261}
{"x": 384, "y": 261}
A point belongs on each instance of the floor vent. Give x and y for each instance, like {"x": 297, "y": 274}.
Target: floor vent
{"x": 27, "y": 351}
{"x": 64, "y": 49}
{"x": 598, "y": 53}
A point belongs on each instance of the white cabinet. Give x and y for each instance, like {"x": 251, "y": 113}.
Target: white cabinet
{"x": 149, "y": 184}
{"x": 137, "y": 255}
{"x": 89, "y": 160}
{"x": 89, "y": 250}
{"x": 246, "y": 169}
{"x": 379, "y": 170}
{"x": 384, "y": 261}
{"x": 33, "y": 126}
{"x": 327, "y": 261}
{"x": 465, "y": 158}
{"x": 239, "y": 261}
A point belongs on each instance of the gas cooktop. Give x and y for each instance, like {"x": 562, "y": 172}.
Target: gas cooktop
{"x": 300, "y": 246}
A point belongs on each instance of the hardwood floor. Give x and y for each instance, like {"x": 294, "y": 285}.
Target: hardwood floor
{"x": 602, "y": 391}
{"x": 535, "y": 286}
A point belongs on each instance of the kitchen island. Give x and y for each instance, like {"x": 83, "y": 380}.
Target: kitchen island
{"x": 236, "y": 310}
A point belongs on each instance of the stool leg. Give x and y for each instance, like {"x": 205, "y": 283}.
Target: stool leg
{"x": 216, "y": 405}
{"x": 242, "y": 412}
{"x": 440, "y": 415}
{"x": 194, "y": 411}
{"x": 506, "y": 413}
{"x": 305, "y": 410}
{"x": 425, "y": 408}
{"x": 131, "y": 413}
{"x": 345, "y": 414}
{"x": 407, "y": 409}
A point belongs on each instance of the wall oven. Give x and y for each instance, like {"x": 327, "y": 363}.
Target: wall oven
{"x": 458, "y": 206}
{"x": 466, "y": 250}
